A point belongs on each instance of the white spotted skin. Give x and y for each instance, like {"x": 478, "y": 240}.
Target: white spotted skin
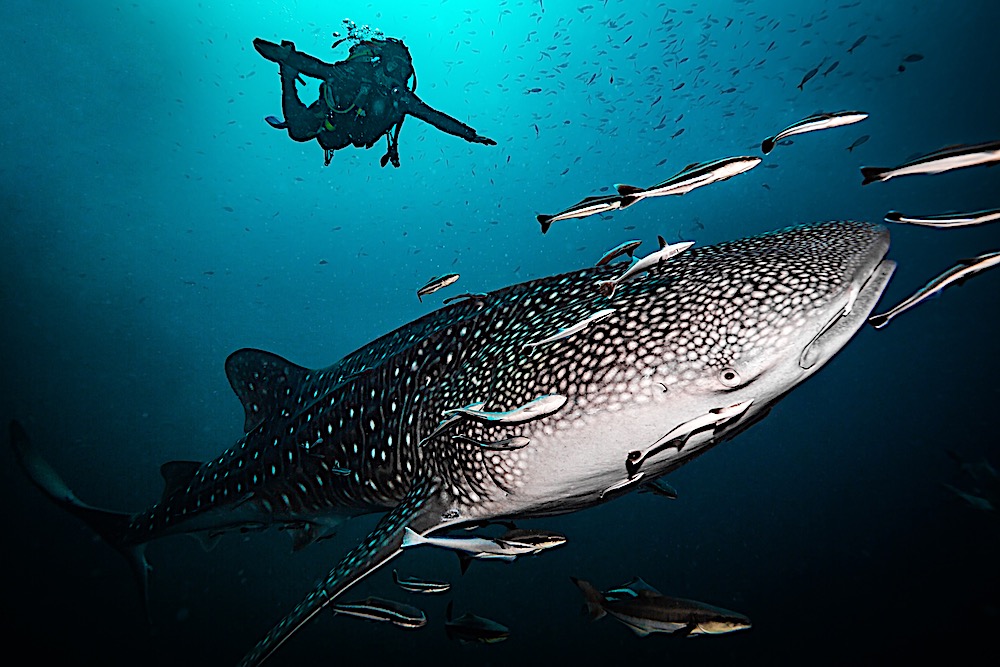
{"x": 751, "y": 306}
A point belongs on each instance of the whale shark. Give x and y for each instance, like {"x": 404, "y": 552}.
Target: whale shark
{"x": 404, "y": 425}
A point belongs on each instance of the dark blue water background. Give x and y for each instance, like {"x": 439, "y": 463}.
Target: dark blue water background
{"x": 152, "y": 223}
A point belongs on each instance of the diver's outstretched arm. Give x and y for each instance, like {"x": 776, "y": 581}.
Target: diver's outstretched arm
{"x": 285, "y": 54}
{"x": 411, "y": 104}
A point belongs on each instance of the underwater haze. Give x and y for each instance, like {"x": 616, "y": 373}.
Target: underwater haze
{"x": 153, "y": 223}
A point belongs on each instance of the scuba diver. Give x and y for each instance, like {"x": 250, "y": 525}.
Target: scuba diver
{"x": 361, "y": 98}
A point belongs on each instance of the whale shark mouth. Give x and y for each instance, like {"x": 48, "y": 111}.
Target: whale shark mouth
{"x": 859, "y": 303}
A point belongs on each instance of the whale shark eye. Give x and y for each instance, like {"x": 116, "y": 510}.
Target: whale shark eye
{"x": 729, "y": 377}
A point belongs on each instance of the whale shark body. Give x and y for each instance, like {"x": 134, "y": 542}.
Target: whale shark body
{"x": 384, "y": 430}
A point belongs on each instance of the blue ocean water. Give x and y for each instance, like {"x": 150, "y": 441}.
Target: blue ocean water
{"x": 153, "y": 223}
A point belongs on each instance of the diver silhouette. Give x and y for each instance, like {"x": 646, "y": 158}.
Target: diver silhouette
{"x": 361, "y": 98}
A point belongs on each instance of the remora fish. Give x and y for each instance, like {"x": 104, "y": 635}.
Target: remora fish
{"x": 946, "y": 159}
{"x": 957, "y": 274}
{"x": 714, "y": 417}
{"x": 469, "y": 628}
{"x": 434, "y": 284}
{"x": 542, "y": 406}
{"x": 820, "y": 121}
{"x": 666, "y": 251}
{"x": 476, "y": 547}
{"x": 693, "y": 176}
{"x": 626, "y": 248}
{"x": 414, "y": 585}
{"x": 645, "y": 610}
{"x": 581, "y": 209}
{"x": 530, "y": 541}
{"x": 576, "y": 328}
{"x": 379, "y": 609}
{"x": 373, "y": 407}
{"x": 945, "y": 220}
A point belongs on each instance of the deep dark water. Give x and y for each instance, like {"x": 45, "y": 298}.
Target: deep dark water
{"x": 125, "y": 281}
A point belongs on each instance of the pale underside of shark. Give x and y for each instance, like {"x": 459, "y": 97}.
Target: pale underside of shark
{"x": 746, "y": 320}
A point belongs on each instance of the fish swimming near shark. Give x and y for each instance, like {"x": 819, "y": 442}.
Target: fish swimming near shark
{"x": 366, "y": 413}
{"x": 581, "y": 209}
{"x": 645, "y": 610}
{"x": 956, "y": 275}
{"x": 946, "y": 159}
{"x": 691, "y": 177}
{"x": 945, "y": 220}
{"x": 436, "y": 283}
{"x": 820, "y": 121}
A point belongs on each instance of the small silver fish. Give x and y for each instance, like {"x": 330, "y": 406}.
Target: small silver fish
{"x": 626, "y": 248}
{"x": 434, "y": 284}
{"x": 425, "y": 586}
{"x": 946, "y": 159}
{"x": 542, "y": 406}
{"x": 576, "y": 328}
{"x": 581, "y": 209}
{"x": 378, "y": 609}
{"x": 956, "y": 274}
{"x": 820, "y": 121}
{"x": 946, "y": 220}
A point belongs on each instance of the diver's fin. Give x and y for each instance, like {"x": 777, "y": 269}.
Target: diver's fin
{"x": 420, "y": 511}
{"x": 261, "y": 380}
{"x": 276, "y": 122}
{"x": 112, "y": 526}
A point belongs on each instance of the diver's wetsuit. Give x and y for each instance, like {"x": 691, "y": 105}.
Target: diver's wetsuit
{"x": 367, "y": 100}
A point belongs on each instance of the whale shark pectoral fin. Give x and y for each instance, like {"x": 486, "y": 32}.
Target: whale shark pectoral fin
{"x": 420, "y": 510}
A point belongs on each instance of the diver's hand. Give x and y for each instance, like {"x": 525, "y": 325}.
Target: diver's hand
{"x": 483, "y": 140}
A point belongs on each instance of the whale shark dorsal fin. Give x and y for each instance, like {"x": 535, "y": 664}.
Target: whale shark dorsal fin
{"x": 420, "y": 510}
{"x": 177, "y": 475}
{"x": 263, "y": 383}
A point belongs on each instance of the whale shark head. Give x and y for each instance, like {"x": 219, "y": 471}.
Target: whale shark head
{"x": 736, "y": 325}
